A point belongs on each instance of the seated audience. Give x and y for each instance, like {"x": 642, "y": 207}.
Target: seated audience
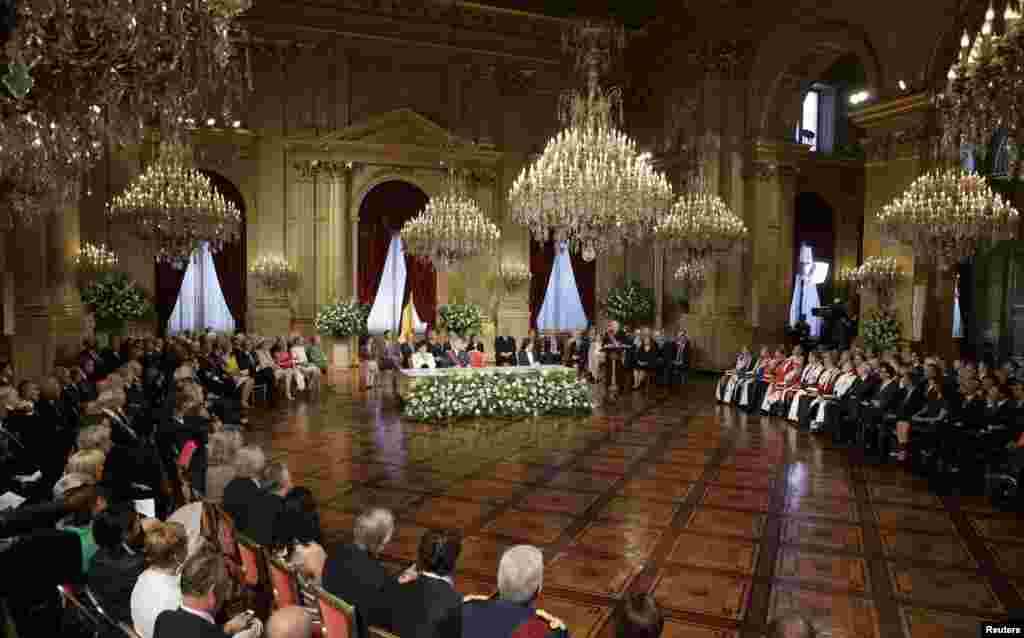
{"x": 504, "y": 351}
{"x": 118, "y": 562}
{"x": 423, "y": 358}
{"x": 206, "y": 586}
{"x": 646, "y": 360}
{"x": 352, "y": 571}
{"x": 222, "y": 453}
{"x": 726, "y": 383}
{"x": 315, "y": 354}
{"x": 513, "y": 612}
{"x": 157, "y": 588}
{"x": 290, "y": 376}
{"x": 528, "y": 353}
{"x": 424, "y": 603}
{"x": 299, "y": 521}
{"x": 80, "y": 522}
{"x": 252, "y": 508}
{"x": 791, "y": 626}
{"x": 639, "y": 617}
{"x": 310, "y": 371}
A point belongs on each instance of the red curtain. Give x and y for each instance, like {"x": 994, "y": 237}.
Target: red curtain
{"x": 542, "y": 260}
{"x": 421, "y": 283}
{"x": 168, "y": 287}
{"x": 230, "y": 261}
{"x": 586, "y": 281}
{"x": 381, "y": 214}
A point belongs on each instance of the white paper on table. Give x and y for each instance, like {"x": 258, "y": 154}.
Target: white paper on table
{"x": 146, "y": 507}
{"x": 10, "y": 500}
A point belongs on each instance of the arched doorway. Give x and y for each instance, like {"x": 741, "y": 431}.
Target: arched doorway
{"x": 230, "y": 262}
{"x": 814, "y": 225}
{"x": 383, "y": 211}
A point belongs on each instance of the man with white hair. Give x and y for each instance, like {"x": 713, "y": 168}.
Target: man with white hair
{"x": 353, "y": 572}
{"x": 246, "y": 499}
{"x": 512, "y": 612}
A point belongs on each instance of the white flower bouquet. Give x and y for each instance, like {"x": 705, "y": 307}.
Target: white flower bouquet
{"x": 880, "y": 330}
{"x": 498, "y": 395}
{"x": 463, "y": 319}
{"x": 115, "y": 299}
{"x": 342, "y": 319}
{"x": 630, "y": 304}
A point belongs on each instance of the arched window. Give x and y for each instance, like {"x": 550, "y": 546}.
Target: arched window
{"x": 201, "y": 305}
{"x": 562, "y": 309}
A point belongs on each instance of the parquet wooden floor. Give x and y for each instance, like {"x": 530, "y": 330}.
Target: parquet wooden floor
{"x": 729, "y": 519}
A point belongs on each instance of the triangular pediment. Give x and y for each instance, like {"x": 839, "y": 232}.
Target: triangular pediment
{"x": 402, "y": 127}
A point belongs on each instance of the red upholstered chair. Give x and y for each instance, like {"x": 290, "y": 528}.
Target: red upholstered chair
{"x": 251, "y": 554}
{"x": 476, "y": 359}
{"x": 339, "y": 617}
{"x": 286, "y": 590}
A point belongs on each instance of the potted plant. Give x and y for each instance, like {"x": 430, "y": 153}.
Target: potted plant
{"x": 341, "y": 324}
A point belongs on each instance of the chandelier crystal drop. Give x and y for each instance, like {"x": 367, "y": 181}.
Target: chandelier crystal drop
{"x": 591, "y": 186}
{"x": 451, "y": 228}
{"x": 945, "y": 214}
{"x": 983, "y": 94}
{"x": 86, "y": 75}
{"x": 176, "y": 206}
{"x": 275, "y": 273}
{"x": 701, "y": 223}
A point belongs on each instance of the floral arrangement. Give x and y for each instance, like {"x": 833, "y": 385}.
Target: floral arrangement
{"x": 275, "y": 273}
{"x": 880, "y": 330}
{"x": 463, "y": 319}
{"x": 495, "y": 394}
{"x": 630, "y": 304}
{"x": 342, "y": 319}
{"x": 116, "y": 299}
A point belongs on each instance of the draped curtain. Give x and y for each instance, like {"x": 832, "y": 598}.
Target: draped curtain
{"x": 230, "y": 261}
{"x": 381, "y": 214}
{"x": 421, "y": 285}
{"x": 201, "y": 303}
{"x": 966, "y": 299}
{"x": 586, "y": 282}
{"x": 168, "y": 287}
{"x": 386, "y": 312}
{"x": 542, "y": 260}
{"x": 562, "y": 308}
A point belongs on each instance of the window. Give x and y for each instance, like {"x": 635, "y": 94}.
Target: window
{"x": 201, "y": 305}
{"x": 386, "y": 312}
{"x": 807, "y": 128}
{"x": 562, "y": 309}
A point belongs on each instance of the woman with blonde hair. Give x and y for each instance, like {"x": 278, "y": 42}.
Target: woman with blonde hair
{"x": 87, "y": 462}
{"x": 158, "y": 588}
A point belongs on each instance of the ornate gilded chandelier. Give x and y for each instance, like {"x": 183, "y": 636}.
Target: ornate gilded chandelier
{"x": 878, "y": 274}
{"x": 92, "y": 261}
{"x": 984, "y": 93}
{"x": 693, "y": 274}
{"x": 591, "y": 187}
{"x": 451, "y": 228}
{"x": 945, "y": 213}
{"x": 514, "y": 275}
{"x": 176, "y": 206}
{"x": 701, "y": 223}
{"x": 85, "y": 74}
{"x": 275, "y": 273}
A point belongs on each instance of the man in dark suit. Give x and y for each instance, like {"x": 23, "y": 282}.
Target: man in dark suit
{"x": 110, "y": 358}
{"x": 885, "y": 398}
{"x": 528, "y": 355}
{"x": 118, "y": 562}
{"x": 424, "y": 603}
{"x": 513, "y": 613}
{"x": 253, "y": 509}
{"x": 205, "y": 586}
{"x": 505, "y": 351}
{"x": 56, "y": 434}
{"x": 352, "y": 571}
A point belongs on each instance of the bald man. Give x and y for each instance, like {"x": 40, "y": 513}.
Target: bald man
{"x": 290, "y": 622}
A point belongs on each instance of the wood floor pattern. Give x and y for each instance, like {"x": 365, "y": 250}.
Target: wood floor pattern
{"x": 729, "y": 519}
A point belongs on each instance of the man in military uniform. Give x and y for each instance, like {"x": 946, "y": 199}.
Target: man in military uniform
{"x": 511, "y": 612}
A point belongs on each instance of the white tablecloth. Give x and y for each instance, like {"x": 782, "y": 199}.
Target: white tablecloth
{"x": 408, "y": 376}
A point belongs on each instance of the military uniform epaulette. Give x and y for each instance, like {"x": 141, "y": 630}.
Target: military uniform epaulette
{"x": 473, "y": 598}
{"x": 554, "y": 623}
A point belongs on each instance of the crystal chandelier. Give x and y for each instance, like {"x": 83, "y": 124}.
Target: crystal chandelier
{"x": 945, "y": 213}
{"x": 701, "y": 223}
{"x": 591, "y": 187}
{"x": 92, "y": 261}
{"x": 693, "y": 274}
{"x": 176, "y": 206}
{"x": 514, "y": 275}
{"x": 878, "y": 274}
{"x": 274, "y": 273}
{"x": 984, "y": 93}
{"x": 84, "y": 74}
{"x": 451, "y": 228}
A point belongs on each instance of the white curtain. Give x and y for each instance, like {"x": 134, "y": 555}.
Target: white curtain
{"x": 958, "y": 326}
{"x": 562, "y": 308}
{"x": 386, "y": 312}
{"x": 804, "y": 280}
{"x": 201, "y": 305}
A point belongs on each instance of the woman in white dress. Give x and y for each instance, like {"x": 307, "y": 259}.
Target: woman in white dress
{"x": 158, "y": 588}
{"x": 304, "y": 366}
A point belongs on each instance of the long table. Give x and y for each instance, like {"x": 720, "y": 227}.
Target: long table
{"x": 408, "y": 376}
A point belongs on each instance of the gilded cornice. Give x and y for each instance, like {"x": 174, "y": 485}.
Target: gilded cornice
{"x": 775, "y": 158}
{"x": 883, "y": 113}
